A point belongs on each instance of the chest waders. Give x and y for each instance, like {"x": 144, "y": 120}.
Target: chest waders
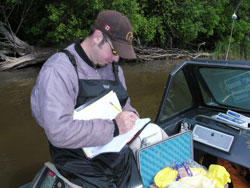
{"x": 106, "y": 170}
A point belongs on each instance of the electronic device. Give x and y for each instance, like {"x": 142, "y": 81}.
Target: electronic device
{"x": 46, "y": 178}
{"x": 213, "y": 138}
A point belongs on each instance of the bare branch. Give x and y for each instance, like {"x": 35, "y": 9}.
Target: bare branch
{"x": 148, "y": 54}
{"x": 25, "y": 11}
{"x": 14, "y": 42}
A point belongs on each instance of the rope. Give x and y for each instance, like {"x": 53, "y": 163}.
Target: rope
{"x": 234, "y": 17}
{"x": 230, "y": 39}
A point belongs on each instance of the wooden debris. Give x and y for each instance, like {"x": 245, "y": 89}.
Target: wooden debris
{"x": 149, "y": 54}
{"x": 15, "y": 53}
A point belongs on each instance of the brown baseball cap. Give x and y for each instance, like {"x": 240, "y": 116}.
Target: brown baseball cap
{"x": 119, "y": 29}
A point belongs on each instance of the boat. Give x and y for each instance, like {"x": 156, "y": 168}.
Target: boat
{"x": 196, "y": 92}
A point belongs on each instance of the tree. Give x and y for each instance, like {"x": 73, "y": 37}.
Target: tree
{"x": 13, "y": 51}
{"x": 185, "y": 24}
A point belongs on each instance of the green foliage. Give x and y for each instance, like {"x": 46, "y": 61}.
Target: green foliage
{"x": 237, "y": 51}
{"x": 65, "y": 29}
{"x": 161, "y": 23}
{"x": 183, "y": 21}
{"x": 63, "y": 20}
{"x": 239, "y": 46}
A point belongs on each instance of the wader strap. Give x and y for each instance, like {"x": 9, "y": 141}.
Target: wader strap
{"x": 72, "y": 60}
{"x": 115, "y": 70}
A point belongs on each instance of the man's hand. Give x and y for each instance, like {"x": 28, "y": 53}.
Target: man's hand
{"x": 125, "y": 121}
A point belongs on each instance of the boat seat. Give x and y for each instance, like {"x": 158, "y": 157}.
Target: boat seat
{"x": 150, "y": 135}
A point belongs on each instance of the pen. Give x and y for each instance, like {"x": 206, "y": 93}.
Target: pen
{"x": 115, "y": 107}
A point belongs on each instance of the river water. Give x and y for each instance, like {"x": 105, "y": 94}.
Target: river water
{"x": 23, "y": 144}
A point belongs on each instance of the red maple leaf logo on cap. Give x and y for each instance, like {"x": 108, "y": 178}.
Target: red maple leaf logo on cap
{"x": 107, "y": 27}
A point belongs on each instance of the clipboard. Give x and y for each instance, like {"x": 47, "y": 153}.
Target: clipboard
{"x": 119, "y": 141}
{"x": 101, "y": 107}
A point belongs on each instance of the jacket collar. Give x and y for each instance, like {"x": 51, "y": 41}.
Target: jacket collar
{"x": 83, "y": 55}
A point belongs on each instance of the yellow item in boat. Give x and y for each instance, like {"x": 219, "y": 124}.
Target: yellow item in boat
{"x": 219, "y": 174}
{"x": 165, "y": 176}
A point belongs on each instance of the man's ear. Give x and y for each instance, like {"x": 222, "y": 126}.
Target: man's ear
{"x": 98, "y": 36}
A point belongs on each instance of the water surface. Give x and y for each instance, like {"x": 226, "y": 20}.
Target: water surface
{"x": 23, "y": 144}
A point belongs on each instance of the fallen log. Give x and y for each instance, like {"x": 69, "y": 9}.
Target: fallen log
{"x": 15, "y": 53}
{"x": 37, "y": 56}
{"x": 10, "y": 42}
{"x": 149, "y": 54}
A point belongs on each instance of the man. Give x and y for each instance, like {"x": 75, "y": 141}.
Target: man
{"x": 71, "y": 78}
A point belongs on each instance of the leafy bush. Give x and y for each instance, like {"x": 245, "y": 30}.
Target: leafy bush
{"x": 161, "y": 23}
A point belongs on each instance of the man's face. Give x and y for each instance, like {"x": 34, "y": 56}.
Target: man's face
{"x": 102, "y": 54}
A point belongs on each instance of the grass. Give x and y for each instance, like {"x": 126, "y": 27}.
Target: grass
{"x": 236, "y": 52}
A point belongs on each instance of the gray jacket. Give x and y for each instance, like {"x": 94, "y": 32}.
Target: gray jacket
{"x": 53, "y": 99}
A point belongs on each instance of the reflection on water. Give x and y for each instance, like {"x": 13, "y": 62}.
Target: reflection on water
{"x": 23, "y": 144}
{"x": 146, "y": 83}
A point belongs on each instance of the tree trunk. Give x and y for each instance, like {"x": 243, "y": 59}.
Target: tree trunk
{"x": 12, "y": 42}
{"x": 28, "y": 59}
{"x": 15, "y": 53}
